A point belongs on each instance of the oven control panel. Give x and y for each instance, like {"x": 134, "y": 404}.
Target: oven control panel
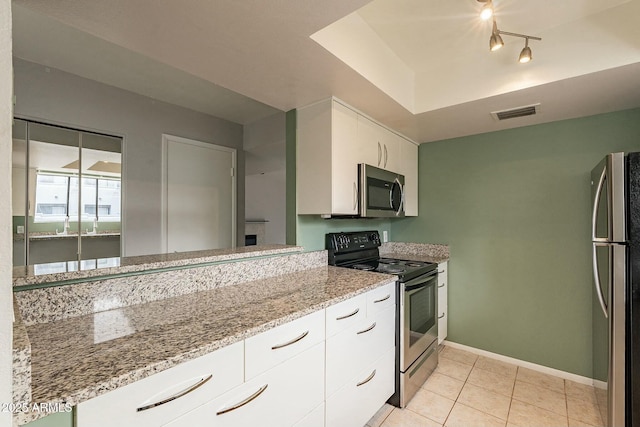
{"x": 352, "y": 241}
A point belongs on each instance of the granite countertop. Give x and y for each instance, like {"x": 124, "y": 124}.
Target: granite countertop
{"x": 426, "y": 252}
{"x": 416, "y": 257}
{"x": 75, "y": 359}
{"x": 28, "y": 275}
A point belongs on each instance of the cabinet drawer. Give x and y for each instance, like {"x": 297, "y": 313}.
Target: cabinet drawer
{"x": 176, "y": 391}
{"x": 381, "y": 298}
{"x": 358, "y": 346}
{"x": 279, "y": 397}
{"x": 346, "y": 314}
{"x": 363, "y": 395}
{"x": 268, "y": 349}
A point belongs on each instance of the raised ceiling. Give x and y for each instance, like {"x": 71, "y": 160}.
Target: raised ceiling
{"x": 428, "y": 72}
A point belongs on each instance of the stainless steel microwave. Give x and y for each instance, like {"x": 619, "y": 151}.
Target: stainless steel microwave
{"x": 381, "y": 192}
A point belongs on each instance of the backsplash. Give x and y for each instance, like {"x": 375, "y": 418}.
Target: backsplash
{"x": 60, "y": 302}
{"x": 425, "y": 249}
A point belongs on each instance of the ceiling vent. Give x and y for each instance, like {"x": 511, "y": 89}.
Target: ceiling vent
{"x": 527, "y": 110}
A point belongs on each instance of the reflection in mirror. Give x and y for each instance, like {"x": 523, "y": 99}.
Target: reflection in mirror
{"x": 67, "y": 194}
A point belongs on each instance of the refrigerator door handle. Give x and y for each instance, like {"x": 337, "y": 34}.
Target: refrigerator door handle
{"x": 596, "y": 280}
{"x": 596, "y": 203}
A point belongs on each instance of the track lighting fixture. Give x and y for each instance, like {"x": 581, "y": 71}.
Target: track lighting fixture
{"x": 487, "y": 10}
{"x": 496, "y": 42}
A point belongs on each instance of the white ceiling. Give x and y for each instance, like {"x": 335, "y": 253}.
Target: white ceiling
{"x": 419, "y": 66}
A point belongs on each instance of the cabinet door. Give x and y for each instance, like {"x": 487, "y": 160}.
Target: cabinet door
{"x": 370, "y": 142}
{"x": 279, "y": 397}
{"x": 391, "y": 151}
{"x": 442, "y": 301}
{"x": 344, "y": 160}
{"x": 409, "y": 168}
{"x": 164, "y": 396}
{"x": 356, "y": 402}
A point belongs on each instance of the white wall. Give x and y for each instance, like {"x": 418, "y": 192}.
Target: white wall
{"x": 265, "y": 180}
{"x": 265, "y": 198}
{"x": 58, "y": 97}
{"x": 6, "y": 294}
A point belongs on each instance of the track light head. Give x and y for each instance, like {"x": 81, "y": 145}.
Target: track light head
{"x": 525, "y": 55}
{"x": 495, "y": 42}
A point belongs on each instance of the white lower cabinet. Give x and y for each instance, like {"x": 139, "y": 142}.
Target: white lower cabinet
{"x": 332, "y": 368}
{"x": 279, "y": 397}
{"x": 166, "y": 395}
{"x": 443, "y": 305}
{"x": 360, "y": 363}
{"x": 363, "y": 394}
{"x": 358, "y": 346}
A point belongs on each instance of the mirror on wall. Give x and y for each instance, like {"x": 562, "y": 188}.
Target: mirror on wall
{"x": 67, "y": 196}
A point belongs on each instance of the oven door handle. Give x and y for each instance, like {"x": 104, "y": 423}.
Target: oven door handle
{"x": 420, "y": 282}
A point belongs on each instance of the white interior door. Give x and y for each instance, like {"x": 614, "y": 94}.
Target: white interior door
{"x": 199, "y": 195}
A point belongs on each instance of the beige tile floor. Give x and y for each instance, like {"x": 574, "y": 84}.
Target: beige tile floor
{"x": 469, "y": 390}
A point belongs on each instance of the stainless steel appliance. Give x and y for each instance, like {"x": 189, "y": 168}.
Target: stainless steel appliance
{"x": 615, "y": 190}
{"x": 381, "y": 192}
{"x": 416, "y": 306}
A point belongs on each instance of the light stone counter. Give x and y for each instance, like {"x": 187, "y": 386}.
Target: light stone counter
{"x": 415, "y": 251}
{"x": 73, "y": 271}
{"x": 81, "y": 357}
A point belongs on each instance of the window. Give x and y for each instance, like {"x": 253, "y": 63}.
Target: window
{"x": 57, "y": 197}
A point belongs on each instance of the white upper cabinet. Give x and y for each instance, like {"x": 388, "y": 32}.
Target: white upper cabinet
{"x": 327, "y": 159}
{"x": 379, "y": 146}
{"x": 332, "y": 139}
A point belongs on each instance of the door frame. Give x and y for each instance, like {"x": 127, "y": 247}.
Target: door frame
{"x": 166, "y": 140}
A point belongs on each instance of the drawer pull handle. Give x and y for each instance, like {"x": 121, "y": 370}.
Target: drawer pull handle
{"x": 441, "y": 316}
{"x": 369, "y": 378}
{"x": 177, "y": 395}
{"x": 353, "y": 313}
{"x": 383, "y": 299}
{"x": 441, "y": 286}
{"x": 244, "y": 402}
{"x": 293, "y": 341}
{"x": 368, "y": 329}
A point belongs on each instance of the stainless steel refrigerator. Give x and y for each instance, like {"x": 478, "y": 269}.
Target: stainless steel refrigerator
{"x": 615, "y": 193}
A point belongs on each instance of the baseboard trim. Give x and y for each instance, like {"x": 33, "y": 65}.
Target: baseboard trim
{"x": 533, "y": 366}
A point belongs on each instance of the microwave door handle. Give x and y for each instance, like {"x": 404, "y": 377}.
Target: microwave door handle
{"x": 355, "y": 196}
{"x": 596, "y": 203}
{"x": 397, "y": 211}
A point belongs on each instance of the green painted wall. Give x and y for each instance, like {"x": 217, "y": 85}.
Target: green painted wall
{"x": 514, "y": 207}
{"x": 312, "y": 228}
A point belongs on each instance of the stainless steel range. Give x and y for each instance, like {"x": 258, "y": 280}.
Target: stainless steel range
{"x": 416, "y": 306}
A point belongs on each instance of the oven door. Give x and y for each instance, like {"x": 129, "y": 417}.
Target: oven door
{"x": 418, "y": 317}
